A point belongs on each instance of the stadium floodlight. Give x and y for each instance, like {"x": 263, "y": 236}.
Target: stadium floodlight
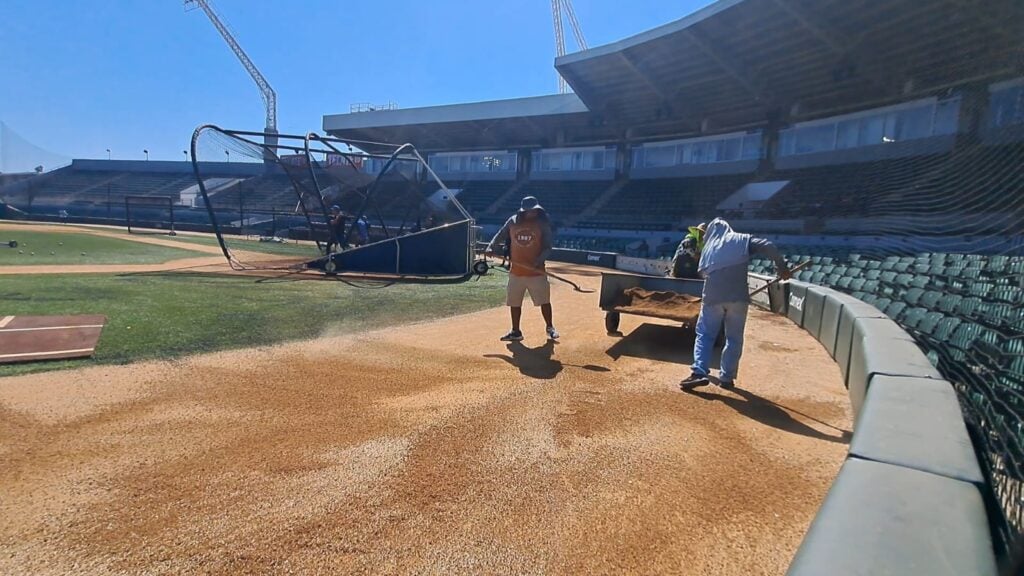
{"x": 185, "y": 152}
{"x": 228, "y": 154}
{"x": 146, "y": 152}
{"x": 108, "y": 153}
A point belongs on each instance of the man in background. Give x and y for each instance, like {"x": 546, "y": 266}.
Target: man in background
{"x": 723, "y": 264}
{"x": 336, "y": 229}
{"x": 687, "y": 256}
{"x": 362, "y": 231}
{"x": 529, "y": 236}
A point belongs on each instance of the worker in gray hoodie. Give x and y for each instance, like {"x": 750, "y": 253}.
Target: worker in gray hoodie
{"x": 723, "y": 265}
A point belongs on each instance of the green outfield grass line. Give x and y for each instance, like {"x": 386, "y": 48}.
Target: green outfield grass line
{"x": 287, "y": 248}
{"x": 173, "y": 314}
{"x": 37, "y": 248}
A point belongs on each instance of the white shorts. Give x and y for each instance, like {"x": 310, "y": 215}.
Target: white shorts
{"x": 537, "y": 286}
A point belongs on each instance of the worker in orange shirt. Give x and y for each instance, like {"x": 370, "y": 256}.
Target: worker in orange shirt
{"x": 529, "y": 235}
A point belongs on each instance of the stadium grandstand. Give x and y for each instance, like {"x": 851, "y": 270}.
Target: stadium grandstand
{"x": 883, "y": 142}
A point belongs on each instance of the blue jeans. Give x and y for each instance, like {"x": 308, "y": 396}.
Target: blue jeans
{"x": 709, "y": 324}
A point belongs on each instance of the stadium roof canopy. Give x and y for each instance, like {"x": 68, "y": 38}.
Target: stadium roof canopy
{"x": 733, "y": 64}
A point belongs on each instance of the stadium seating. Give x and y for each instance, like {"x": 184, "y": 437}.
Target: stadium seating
{"x": 666, "y": 203}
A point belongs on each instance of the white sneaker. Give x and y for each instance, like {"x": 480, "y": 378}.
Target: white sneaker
{"x": 552, "y": 333}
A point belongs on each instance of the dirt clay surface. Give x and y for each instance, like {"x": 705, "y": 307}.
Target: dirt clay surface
{"x": 431, "y": 448}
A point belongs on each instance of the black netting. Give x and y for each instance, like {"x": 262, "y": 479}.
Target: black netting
{"x": 299, "y": 202}
{"x": 929, "y": 230}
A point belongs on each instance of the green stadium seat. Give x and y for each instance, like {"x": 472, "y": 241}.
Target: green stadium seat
{"x": 816, "y": 259}
{"x": 969, "y": 307}
{"x": 930, "y": 299}
{"x": 904, "y": 280}
{"x": 832, "y": 280}
{"x": 882, "y": 303}
{"x": 887, "y": 277}
{"x": 870, "y": 299}
{"x": 928, "y": 323}
{"x": 913, "y": 296}
{"x": 888, "y": 266}
{"x": 805, "y": 276}
{"x": 998, "y": 264}
{"x": 980, "y": 289}
{"x": 912, "y": 316}
{"x": 871, "y": 286}
{"x": 873, "y": 265}
{"x": 943, "y": 332}
{"x": 969, "y": 274}
{"x": 895, "y": 310}
{"x": 859, "y": 295}
{"x": 844, "y": 283}
{"x": 922, "y": 267}
{"x": 962, "y": 340}
{"x": 937, "y": 270}
{"x": 921, "y": 281}
{"x": 872, "y": 274}
{"x": 1015, "y": 268}
{"x": 857, "y": 284}
{"x": 827, "y": 260}
{"x": 1008, "y": 294}
{"x": 827, "y": 269}
{"x": 902, "y": 267}
{"x": 949, "y": 302}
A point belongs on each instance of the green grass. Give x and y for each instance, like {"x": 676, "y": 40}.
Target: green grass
{"x": 290, "y": 248}
{"x": 34, "y": 248}
{"x": 171, "y": 315}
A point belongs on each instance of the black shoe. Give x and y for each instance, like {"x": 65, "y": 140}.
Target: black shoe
{"x": 694, "y": 379}
{"x": 726, "y": 384}
{"x": 512, "y": 336}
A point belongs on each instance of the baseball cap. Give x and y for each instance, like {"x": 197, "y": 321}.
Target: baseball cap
{"x": 530, "y": 203}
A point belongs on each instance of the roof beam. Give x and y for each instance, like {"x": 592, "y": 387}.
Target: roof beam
{"x": 835, "y": 40}
{"x": 746, "y": 78}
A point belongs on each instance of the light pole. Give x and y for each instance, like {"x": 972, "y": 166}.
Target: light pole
{"x": 228, "y": 154}
{"x": 108, "y": 153}
{"x": 185, "y": 152}
{"x": 146, "y": 152}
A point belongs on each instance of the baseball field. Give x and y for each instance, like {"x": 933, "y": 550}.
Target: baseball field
{"x": 236, "y": 424}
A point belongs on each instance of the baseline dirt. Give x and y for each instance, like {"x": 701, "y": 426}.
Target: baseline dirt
{"x": 430, "y": 448}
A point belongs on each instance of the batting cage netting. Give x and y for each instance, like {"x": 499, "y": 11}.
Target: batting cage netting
{"x": 323, "y": 204}
{"x": 919, "y": 208}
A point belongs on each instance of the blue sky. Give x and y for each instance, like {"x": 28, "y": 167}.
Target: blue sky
{"x": 78, "y": 77}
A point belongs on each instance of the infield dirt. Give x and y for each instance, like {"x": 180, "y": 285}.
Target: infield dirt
{"x": 430, "y": 448}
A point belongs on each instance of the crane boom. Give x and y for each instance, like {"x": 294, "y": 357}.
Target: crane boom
{"x": 556, "y": 15}
{"x": 577, "y": 32}
{"x": 268, "y": 94}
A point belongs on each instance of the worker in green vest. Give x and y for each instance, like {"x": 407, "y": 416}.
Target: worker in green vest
{"x": 684, "y": 263}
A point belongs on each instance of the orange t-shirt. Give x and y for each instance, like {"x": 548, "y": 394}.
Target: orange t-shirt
{"x": 527, "y": 244}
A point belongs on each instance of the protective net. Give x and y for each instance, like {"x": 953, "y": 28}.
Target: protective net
{"x": 918, "y": 209}
{"x": 149, "y": 214}
{"x": 312, "y": 202}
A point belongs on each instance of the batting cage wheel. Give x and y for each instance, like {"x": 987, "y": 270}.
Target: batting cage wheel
{"x": 330, "y": 267}
{"x": 13, "y": 243}
{"x": 480, "y": 267}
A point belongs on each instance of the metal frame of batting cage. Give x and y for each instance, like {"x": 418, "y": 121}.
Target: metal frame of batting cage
{"x": 149, "y": 202}
{"x": 270, "y": 151}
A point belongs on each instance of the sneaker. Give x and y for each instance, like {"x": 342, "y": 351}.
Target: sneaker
{"x": 512, "y": 336}
{"x": 695, "y": 379}
{"x": 552, "y": 333}
{"x": 726, "y": 384}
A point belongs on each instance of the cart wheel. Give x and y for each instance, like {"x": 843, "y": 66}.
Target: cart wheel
{"x": 611, "y": 322}
{"x": 480, "y": 267}
{"x": 330, "y": 267}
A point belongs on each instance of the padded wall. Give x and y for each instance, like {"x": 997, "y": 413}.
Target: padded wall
{"x": 880, "y": 346}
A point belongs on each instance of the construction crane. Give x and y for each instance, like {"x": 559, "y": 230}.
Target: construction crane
{"x": 268, "y": 94}
{"x": 556, "y": 14}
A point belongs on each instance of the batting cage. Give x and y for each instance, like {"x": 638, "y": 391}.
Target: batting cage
{"x": 330, "y": 205}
